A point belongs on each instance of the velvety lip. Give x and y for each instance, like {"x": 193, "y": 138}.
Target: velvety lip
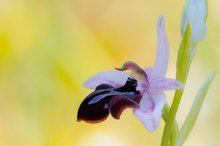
{"x": 97, "y": 105}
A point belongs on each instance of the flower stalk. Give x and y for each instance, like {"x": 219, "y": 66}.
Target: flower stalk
{"x": 183, "y": 65}
{"x": 174, "y": 128}
{"x": 193, "y": 29}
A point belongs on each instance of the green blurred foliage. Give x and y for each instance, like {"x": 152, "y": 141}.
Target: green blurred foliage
{"x": 49, "y": 48}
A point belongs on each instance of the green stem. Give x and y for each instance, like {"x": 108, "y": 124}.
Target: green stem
{"x": 174, "y": 127}
{"x": 185, "y": 56}
{"x": 171, "y": 124}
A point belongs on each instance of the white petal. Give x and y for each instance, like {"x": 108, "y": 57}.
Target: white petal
{"x": 114, "y": 78}
{"x": 151, "y": 118}
{"x": 162, "y": 57}
{"x": 164, "y": 84}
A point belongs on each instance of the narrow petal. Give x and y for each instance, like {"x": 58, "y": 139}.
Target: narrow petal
{"x": 162, "y": 57}
{"x": 114, "y": 78}
{"x": 164, "y": 84}
{"x": 150, "y": 117}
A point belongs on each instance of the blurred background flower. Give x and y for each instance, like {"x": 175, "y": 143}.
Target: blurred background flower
{"x": 49, "y": 48}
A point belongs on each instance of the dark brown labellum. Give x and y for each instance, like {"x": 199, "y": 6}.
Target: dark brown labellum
{"x": 106, "y": 98}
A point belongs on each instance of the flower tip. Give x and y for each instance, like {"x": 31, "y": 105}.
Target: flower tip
{"x": 87, "y": 84}
{"x": 161, "y": 20}
{"x": 120, "y": 69}
{"x": 179, "y": 85}
{"x": 129, "y": 65}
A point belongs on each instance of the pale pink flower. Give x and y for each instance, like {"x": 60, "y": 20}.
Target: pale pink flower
{"x": 151, "y": 83}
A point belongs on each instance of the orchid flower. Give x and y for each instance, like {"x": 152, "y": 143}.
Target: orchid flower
{"x": 142, "y": 89}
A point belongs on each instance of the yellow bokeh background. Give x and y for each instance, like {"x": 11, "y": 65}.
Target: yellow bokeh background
{"x": 49, "y": 48}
